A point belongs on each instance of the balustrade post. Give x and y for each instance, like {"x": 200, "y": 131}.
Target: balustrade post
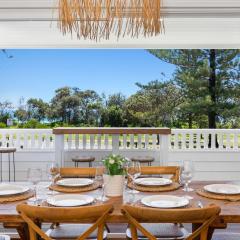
{"x": 59, "y": 149}
{"x": 115, "y": 143}
{"x": 164, "y": 149}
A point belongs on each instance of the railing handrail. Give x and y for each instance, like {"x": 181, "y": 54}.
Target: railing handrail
{"x": 3, "y": 130}
{"x": 205, "y": 130}
{"x": 109, "y": 130}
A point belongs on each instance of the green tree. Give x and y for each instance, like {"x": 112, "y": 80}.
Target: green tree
{"x": 154, "y": 104}
{"x": 21, "y": 112}
{"x": 5, "y": 111}
{"x": 63, "y": 105}
{"x": 90, "y": 106}
{"x": 209, "y": 80}
{"x": 113, "y": 112}
{"x": 74, "y": 106}
{"x": 37, "y": 109}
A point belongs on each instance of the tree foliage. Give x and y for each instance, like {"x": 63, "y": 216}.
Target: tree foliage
{"x": 203, "y": 92}
{"x": 210, "y": 82}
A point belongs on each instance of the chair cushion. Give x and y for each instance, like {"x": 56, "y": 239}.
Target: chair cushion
{"x": 162, "y": 231}
{"x": 226, "y": 236}
{"x": 83, "y": 159}
{"x": 4, "y": 237}
{"x": 72, "y": 231}
{"x": 144, "y": 159}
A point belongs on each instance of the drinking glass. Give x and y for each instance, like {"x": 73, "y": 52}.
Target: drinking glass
{"x": 34, "y": 176}
{"x": 100, "y": 170}
{"x": 133, "y": 172}
{"x": 52, "y": 171}
{"x": 187, "y": 174}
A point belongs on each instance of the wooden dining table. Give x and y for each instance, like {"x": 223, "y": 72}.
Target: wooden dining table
{"x": 230, "y": 211}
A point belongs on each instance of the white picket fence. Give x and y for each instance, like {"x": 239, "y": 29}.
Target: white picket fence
{"x": 216, "y": 152}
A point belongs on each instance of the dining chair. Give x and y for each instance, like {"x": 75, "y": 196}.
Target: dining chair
{"x": 173, "y": 171}
{"x": 139, "y": 218}
{"x": 77, "y": 172}
{"x": 67, "y": 221}
{"x": 226, "y": 235}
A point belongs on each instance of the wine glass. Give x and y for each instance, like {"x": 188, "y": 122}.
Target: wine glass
{"x": 187, "y": 174}
{"x": 52, "y": 171}
{"x": 34, "y": 176}
{"x": 133, "y": 172}
{"x": 100, "y": 170}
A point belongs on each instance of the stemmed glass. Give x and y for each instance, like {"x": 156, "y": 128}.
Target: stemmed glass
{"x": 34, "y": 176}
{"x": 133, "y": 172}
{"x": 100, "y": 170}
{"x": 186, "y": 176}
{"x": 52, "y": 171}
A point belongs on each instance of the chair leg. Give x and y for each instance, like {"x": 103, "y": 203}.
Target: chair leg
{"x": 9, "y": 162}
{"x": 14, "y": 167}
{"x": 1, "y": 167}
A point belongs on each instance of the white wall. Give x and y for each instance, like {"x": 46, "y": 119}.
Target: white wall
{"x": 25, "y": 160}
{"x": 212, "y": 165}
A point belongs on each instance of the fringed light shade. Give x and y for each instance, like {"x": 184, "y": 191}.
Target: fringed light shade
{"x": 98, "y": 19}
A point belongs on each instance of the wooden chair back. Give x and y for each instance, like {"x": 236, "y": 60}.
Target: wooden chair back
{"x": 88, "y": 214}
{"x": 174, "y": 171}
{"x": 204, "y": 216}
{"x": 77, "y": 172}
{"x": 164, "y": 170}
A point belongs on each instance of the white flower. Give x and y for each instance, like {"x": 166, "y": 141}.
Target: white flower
{"x": 111, "y": 161}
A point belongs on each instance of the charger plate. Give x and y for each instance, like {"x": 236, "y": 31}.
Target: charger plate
{"x": 167, "y": 188}
{"x": 64, "y": 189}
{"x": 227, "y": 197}
{"x": 18, "y": 197}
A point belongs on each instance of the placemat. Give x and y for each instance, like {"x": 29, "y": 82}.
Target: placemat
{"x": 63, "y": 189}
{"x": 206, "y": 194}
{"x": 18, "y": 197}
{"x": 167, "y": 188}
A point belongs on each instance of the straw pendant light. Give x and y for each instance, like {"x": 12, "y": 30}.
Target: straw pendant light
{"x": 98, "y": 19}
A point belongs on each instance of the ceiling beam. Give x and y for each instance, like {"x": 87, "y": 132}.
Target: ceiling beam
{"x": 46, "y": 10}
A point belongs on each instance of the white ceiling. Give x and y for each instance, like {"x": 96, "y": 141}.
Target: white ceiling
{"x": 189, "y": 24}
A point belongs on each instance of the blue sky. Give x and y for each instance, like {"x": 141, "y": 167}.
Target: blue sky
{"x": 37, "y": 73}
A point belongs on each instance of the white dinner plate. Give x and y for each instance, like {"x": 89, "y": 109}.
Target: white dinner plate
{"x": 165, "y": 201}
{"x": 11, "y": 189}
{"x": 70, "y": 200}
{"x": 74, "y": 182}
{"x": 229, "y": 189}
{"x": 153, "y": 181}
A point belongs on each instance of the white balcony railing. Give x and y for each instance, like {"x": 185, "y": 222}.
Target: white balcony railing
{"x": 27, "y": 139}
{"x": 216, "y": 152}
{"x": 205, "y": 139}
{"x": 180, "y": 139}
